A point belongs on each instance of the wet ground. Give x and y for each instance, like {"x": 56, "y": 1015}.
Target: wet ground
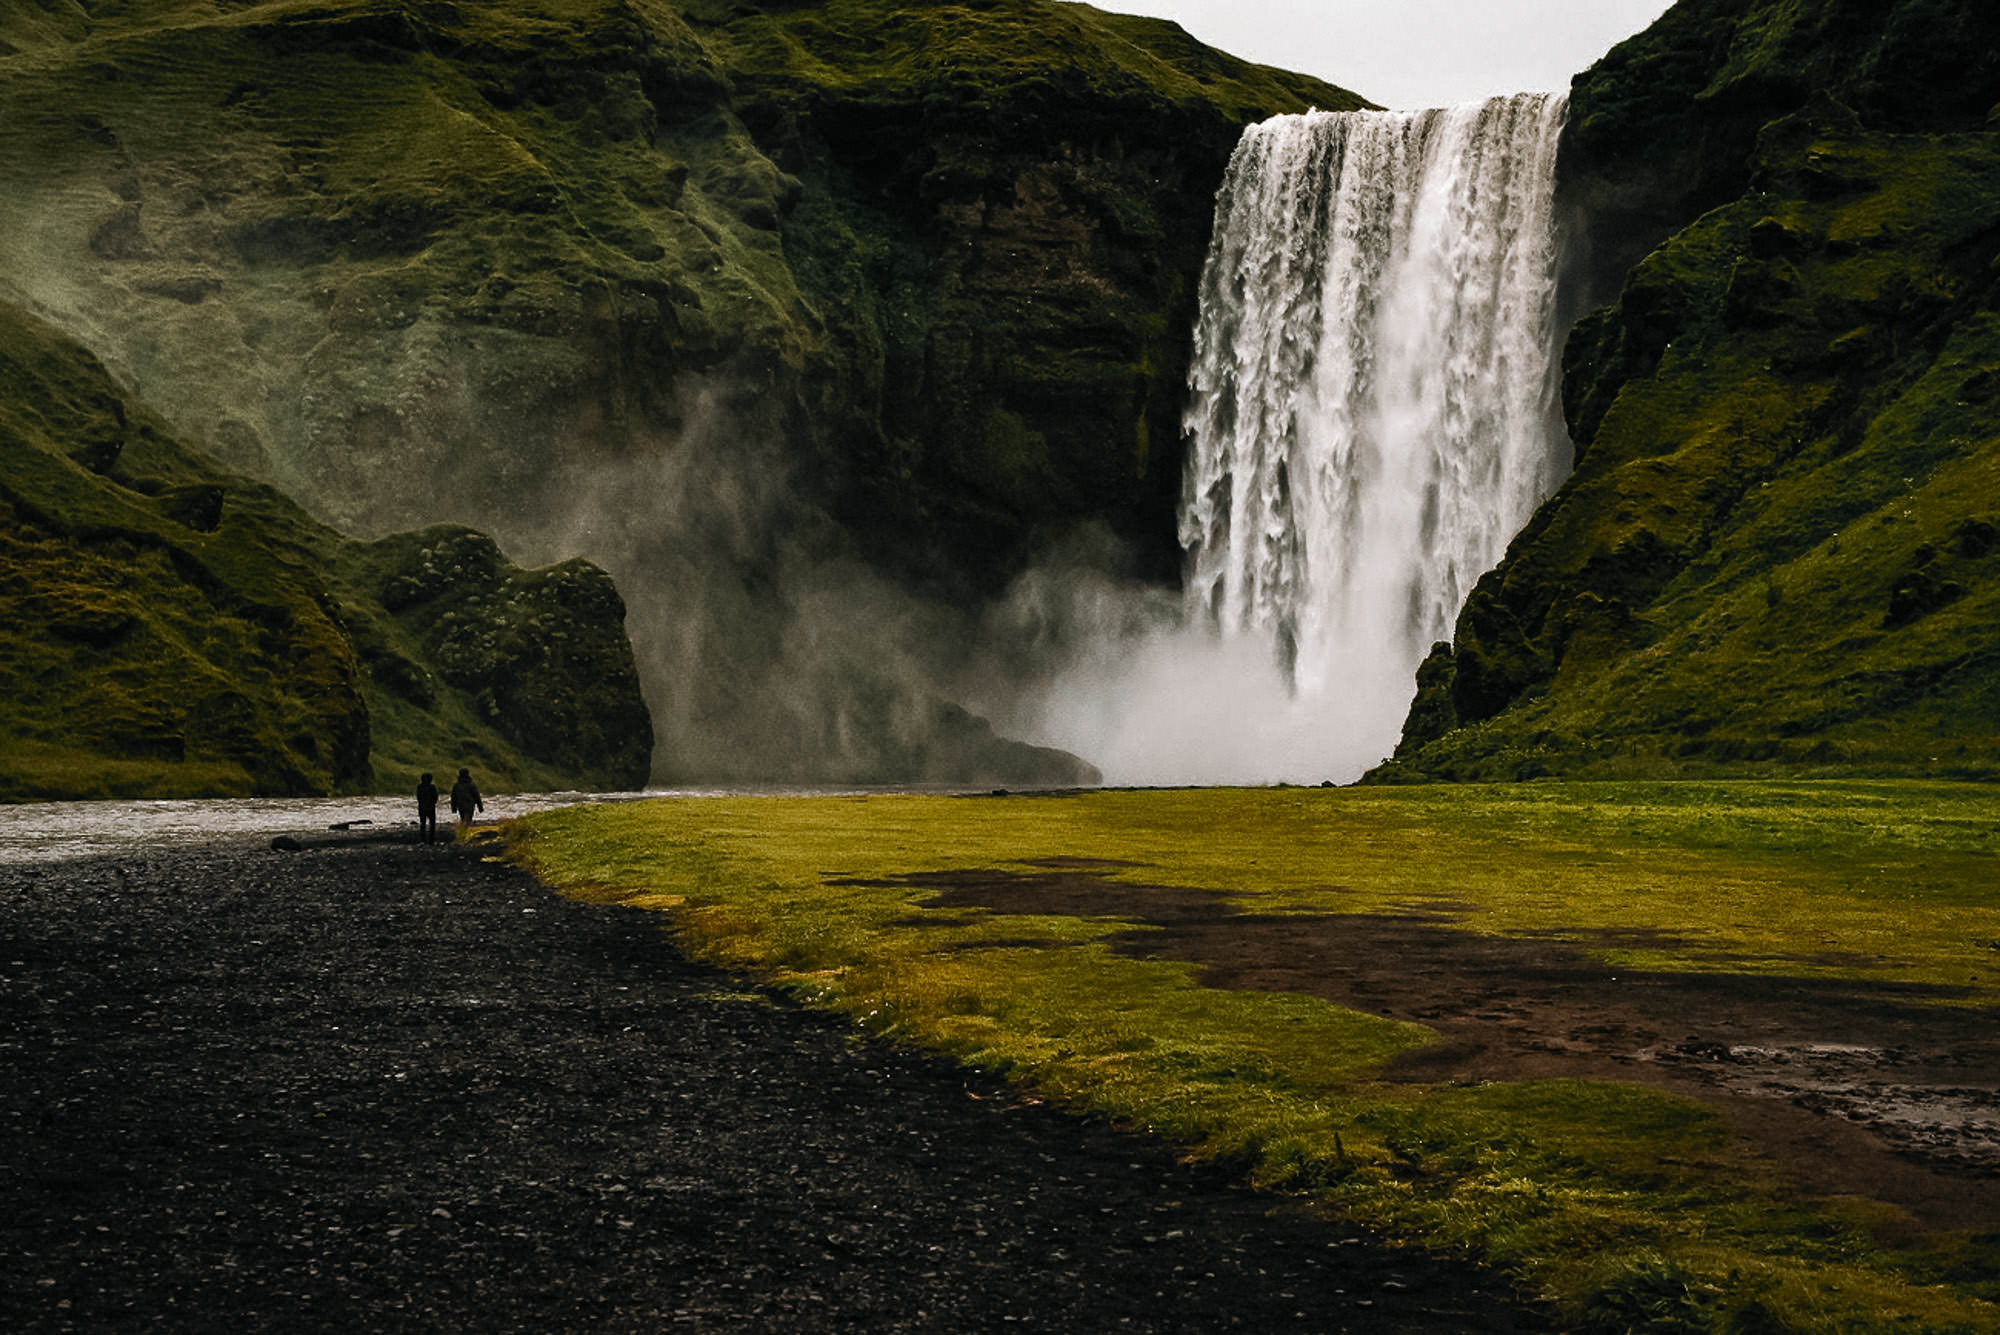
{"x": 382, "y": 1087}
{"x": 1884, "y": 1089}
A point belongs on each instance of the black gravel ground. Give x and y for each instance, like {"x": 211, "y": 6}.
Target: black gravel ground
{"x": 392, "y": 1088}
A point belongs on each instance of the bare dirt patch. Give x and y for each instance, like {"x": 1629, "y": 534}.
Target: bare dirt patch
{"x": 1848, "y": 1086}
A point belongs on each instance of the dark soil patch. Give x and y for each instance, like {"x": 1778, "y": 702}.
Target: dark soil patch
{"x": 387, "y": 1087}
{"x": 1065, "y": 893}
{"x": 1846, "y": 1086}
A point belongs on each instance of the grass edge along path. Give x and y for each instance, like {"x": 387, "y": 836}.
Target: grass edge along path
{"x": 1628, "y": 1206}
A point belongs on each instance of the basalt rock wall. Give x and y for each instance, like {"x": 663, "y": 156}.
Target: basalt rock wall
{"x": 1664, "y": 128}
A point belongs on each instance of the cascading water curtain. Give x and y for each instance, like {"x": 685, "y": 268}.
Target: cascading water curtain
{"x": 1374, "y": 403}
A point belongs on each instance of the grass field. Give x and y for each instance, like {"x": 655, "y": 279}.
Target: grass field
{"x": 1098, "y": 948}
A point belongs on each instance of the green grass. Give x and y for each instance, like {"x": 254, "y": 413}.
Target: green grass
{"x": 989, "y": 58}
{"x": 1624, "y": 1204}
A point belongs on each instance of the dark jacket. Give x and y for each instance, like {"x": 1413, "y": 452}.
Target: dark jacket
{"x": 427, "y": 798}
{"x": 465, "y": 797}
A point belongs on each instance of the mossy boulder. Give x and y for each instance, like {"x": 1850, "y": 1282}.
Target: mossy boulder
{"x": 541, "y": 655}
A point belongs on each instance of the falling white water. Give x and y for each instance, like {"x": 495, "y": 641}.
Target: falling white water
{"x": 1373, "y": 415}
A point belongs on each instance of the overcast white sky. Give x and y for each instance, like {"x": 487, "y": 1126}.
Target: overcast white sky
{"x": 1414, "y": 53}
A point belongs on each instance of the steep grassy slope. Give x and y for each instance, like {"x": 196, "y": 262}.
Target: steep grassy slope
{"x": 1779, "y": 548}
{"x": 722, "y": 296}
{"x": 151, "y": 647}
{"x": 173, "y": 629}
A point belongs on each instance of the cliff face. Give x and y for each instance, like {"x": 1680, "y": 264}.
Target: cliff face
{"x": 1778, "y": 547}
{"x": 168, "y": 628}
{"x": 1002, "y": 213}
{"x": 1664, "y": 127}
{"x": 720, "y": 295}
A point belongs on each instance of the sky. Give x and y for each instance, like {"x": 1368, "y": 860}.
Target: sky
{"x": 1414, "y": 53}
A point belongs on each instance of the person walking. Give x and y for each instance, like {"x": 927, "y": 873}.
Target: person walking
{"x": 427, "y": 809}
{"x": 465, "y": 800}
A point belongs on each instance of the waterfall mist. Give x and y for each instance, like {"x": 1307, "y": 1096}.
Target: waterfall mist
{"x": 768, "y": 650}
{"x": 1373, "y": 415}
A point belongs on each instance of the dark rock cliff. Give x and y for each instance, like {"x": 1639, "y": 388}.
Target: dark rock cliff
{"x": 1002, "y": 214}
{"x": 1775, "y": 549}
{"x": 1663, "y": 128}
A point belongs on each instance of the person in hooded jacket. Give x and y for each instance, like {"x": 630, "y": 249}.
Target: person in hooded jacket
{"x": 465, "y": 800}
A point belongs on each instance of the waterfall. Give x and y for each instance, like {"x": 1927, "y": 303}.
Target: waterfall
{"x": 1374, "y": 410}
{"x": 1372, "y": 416}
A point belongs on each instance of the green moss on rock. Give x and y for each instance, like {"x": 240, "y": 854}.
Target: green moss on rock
{"x": 541, "y": 655}
{"x": 1663, "y": 128}
{"x": 175, "y": 630}
{"x": 1771, "y": 554}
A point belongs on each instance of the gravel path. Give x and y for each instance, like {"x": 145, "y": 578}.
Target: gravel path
{"x": 386, "y": 1087}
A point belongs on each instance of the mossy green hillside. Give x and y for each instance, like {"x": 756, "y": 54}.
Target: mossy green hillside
{"x": 359, "y": 251}
{"x": 1663, "y": 128}
{"x": 706, "y": 293}
{"x": 1620, "y": 1202}
{"x": 1778, "y": 548}
{"x": 951, "y": 247}
{"x": 174, "y": 629}
{"x": 152, "y": 648}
